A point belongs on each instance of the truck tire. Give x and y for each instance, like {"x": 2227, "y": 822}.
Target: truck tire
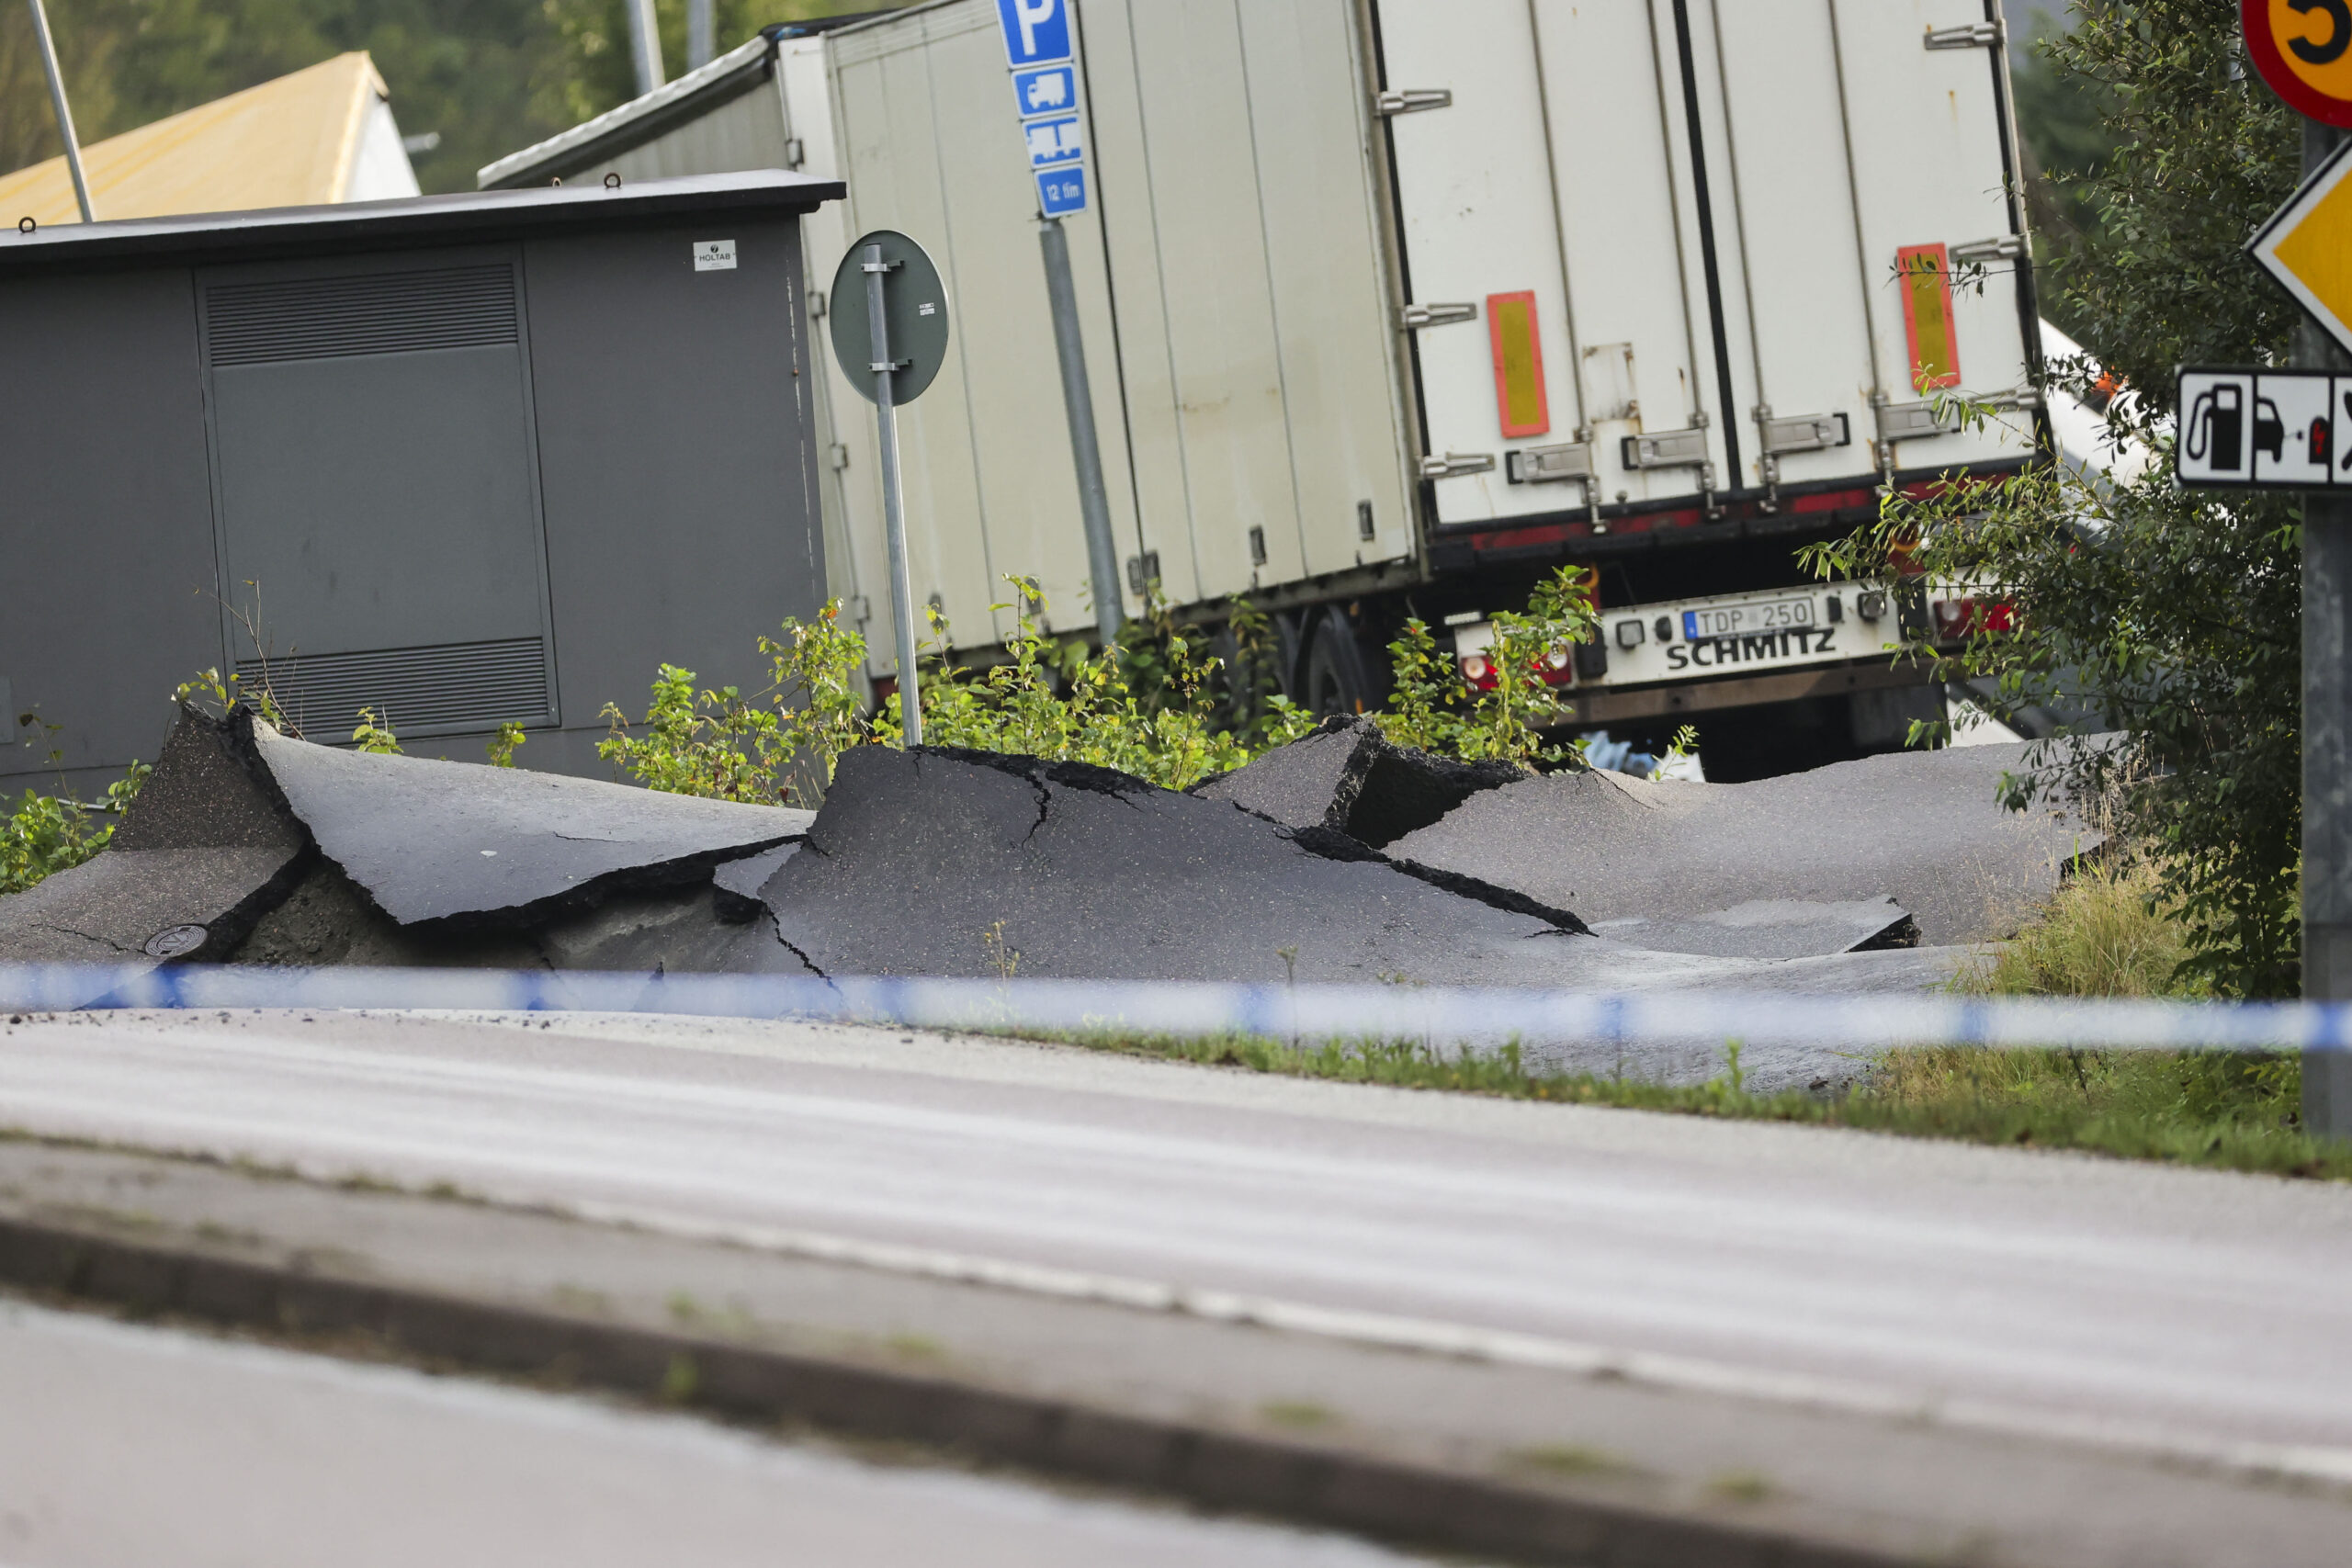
{"x": 1333, "y": 678}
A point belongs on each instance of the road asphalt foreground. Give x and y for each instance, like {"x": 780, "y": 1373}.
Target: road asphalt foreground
{"x": 139, "y": 1445}
{"x": 1339, "y": 858}
{"x": 1405, "y": 1312}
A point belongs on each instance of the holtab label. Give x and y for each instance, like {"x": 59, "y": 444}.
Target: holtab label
{"x": 714, "y": 255}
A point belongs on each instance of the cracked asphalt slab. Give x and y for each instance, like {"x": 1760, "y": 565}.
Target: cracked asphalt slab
{"x": 1923, "y": 827}
{"x": 467, "y": 845}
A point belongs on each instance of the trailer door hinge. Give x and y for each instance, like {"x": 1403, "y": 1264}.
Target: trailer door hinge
{"x": 1453, "y": 465}
{"x": 838, "y": 455}
{"x": 1412, "y": 100}
{"x": 1973, "y": 35}
{"x": 1416, "y": 317}
{"x": 796, "y": 152}
{"x": 2008, "y": 247}
{"x": 816, "y": 304}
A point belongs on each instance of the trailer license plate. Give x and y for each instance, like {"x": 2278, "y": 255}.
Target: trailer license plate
{"x": 1731, "y": 620}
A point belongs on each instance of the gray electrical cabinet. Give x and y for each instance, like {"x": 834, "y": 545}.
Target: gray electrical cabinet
{"x": 461, "y": 460}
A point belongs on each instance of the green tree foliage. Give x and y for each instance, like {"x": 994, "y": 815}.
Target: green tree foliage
{"x": 490, "y": 76}
{"x": 2174, "y": 616}
{"x": 2062, "y": 126}
{"x": 598, "y": 73}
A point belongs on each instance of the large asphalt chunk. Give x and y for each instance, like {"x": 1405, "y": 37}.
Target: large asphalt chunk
{"x": 1347, "y": 777}
{"x": 202, "y": 853}
{"x": 474, "y": 845}
{"x": 964, "y": 863}
{"x": 1923, "y": 827}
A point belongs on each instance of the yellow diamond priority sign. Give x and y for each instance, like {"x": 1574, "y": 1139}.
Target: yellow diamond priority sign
{"x": 2307, "y": 246}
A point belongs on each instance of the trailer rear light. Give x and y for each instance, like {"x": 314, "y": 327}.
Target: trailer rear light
{"x": 1957, "y": 618}
{"x": 1478, "y": 671}
{"x": 1519, "y": 364}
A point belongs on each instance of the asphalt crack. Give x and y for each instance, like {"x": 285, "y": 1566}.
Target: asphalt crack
{"x": 90, "y": 936}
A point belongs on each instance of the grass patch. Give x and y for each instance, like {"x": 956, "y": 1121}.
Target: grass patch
{"x": 2105, "y": 933}
{"x": 1299, "y": 1415}
{"x": 2230, "y": 1112}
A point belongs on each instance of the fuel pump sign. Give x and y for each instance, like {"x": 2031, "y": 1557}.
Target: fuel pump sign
{"x": 2263, "y": 430}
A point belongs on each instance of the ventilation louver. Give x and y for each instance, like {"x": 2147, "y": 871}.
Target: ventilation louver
{"x": 395, "y": 312}
{"x": 456, "y": 686}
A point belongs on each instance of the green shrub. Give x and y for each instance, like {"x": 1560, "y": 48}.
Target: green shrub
{"x": 44, "y": 834}
{"x": 1432, "y": 707}
{"x": 1155, "y": 703}
{"x": 774, "y": 749}
{"x": 1150, "y": 704}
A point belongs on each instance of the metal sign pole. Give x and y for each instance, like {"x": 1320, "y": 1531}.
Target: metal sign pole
{"x": 2327, "y": 739}
{"x": 1085, "y": 446}
{"x": 894, "y": 509}
{"x": 644, "y": 44}
{"x": 64, "y": 110}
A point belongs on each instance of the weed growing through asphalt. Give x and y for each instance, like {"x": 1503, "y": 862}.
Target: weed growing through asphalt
{"x": 43, "y": 834}
{"x": 2108, "y": 932}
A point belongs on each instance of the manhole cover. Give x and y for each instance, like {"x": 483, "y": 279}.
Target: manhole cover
{"x": 173, "y": 940}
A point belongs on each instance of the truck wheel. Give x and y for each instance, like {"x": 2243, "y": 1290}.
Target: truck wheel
{"x": 1335, "y": 680}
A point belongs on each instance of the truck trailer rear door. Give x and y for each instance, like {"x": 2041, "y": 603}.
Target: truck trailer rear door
{"x": 1550, "y": 251}
{"x": 1657, "y": 249}
{"x": 1867, "y": 230}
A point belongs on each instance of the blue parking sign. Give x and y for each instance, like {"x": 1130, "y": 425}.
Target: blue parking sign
{"x": 1053, "y": 143}
{"x": 1036, "y": 32}
{"x": 1061, "y": 192}
{"x": 1052, "y": 89}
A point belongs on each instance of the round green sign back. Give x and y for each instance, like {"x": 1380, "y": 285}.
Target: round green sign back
{"x": 914, "y": 310}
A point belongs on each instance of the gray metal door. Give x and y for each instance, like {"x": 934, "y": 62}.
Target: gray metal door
{"x": 377, "y": 490}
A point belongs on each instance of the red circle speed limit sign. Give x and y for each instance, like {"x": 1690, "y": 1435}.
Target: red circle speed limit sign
{"x": 2303, "y": 49}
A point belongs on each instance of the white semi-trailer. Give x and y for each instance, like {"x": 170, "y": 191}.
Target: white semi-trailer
{"x": 1390, "y": 306}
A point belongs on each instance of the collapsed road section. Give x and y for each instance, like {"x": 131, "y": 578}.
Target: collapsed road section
{"x": 1339, "y": 858}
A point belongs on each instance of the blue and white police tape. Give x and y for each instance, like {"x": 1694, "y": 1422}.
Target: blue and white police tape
{"x": 1446, "y": 1016}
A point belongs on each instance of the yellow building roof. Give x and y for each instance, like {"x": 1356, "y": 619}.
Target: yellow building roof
{"x": 285, "y": 144}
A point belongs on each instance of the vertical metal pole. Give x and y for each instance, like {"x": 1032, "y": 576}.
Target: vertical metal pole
{"x": 701, "y": 41}
{"x": 2328, "y": 743}
{"x": 645, "y": 44}
{"x": 64, "y": 110}
{"x": 1085, "y": 448}
{"x": 894, "y": 505}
